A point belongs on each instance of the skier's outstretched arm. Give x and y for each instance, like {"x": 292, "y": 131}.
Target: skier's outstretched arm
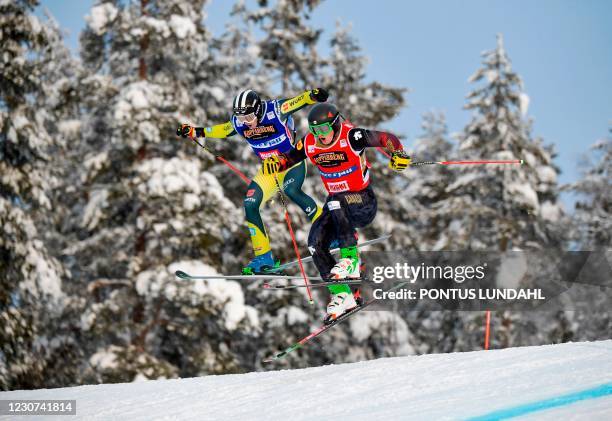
{"x": 218, "y": 131}
{"x": 290, "y": 105}
{"x": 364, "y": 138}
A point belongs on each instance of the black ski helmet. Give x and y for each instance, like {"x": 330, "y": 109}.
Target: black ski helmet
{"x": 324, "y": 112}
{"x": 247, "y": 102}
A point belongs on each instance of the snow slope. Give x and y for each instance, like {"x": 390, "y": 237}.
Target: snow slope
{"x": 444, "y": 386}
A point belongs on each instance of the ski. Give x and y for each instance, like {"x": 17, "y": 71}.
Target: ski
{"x": 324, "y": 328}
{"x": 184, "y": 275}
{"x": 333, "y": 252}
{"x": 313, "y": 285}
{"x": 273, "y": 273}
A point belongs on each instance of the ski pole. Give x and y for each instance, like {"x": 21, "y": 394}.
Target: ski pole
{"x": 224, "y": 161}
{"x": 480, "y": 162}
{"x": 511, "y": 161}
{"x": 295, "y": 246}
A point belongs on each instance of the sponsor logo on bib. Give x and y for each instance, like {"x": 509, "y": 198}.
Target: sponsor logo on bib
{"x": 353, "y": 199}
{"x": 264, "y": 155}
{"x": 338, "y": 187}
{"x": 330, "y": 159}
{"x": 259, "y": 130}
{"x": 338, "y": 174}
{"x": 269, "y": 143}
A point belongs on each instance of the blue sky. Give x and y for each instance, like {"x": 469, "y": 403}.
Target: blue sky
{"x": 561, "y": 48}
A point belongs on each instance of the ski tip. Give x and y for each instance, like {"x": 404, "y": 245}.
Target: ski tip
{"x": 275, "y": 357}
{"x": 522, "y": 162}
{"x": 311, "y": 302}
{"x": 181, "y": 274}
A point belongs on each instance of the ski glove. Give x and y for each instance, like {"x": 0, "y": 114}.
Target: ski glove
{"x": 319, "y": 95}
{"x": 186, "y": 130}
{"x": 399, "y": 161}
{"x": 271, "y": 165}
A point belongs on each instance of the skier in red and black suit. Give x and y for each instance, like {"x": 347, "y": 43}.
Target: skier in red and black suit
{"x": 337, "y": 148}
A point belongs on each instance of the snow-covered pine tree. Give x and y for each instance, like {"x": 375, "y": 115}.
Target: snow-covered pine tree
{"x": 427, "y": 185}
{"x": 237, "y": 55}
{"x": 150, "y": 202}
{"x": 289, "y": 45}
{"x": 501, "y": 207}
{"x": 69, "y": 88}
{"x": 368, "y": 104}
{"x": 61, "y": 73}
{"x": 31, "y": 296}
{"x": 591, "y": 229}
{"x": 64, "y": 96}
{"x": 424, "y": 189}
{"x": 593, "y": 209}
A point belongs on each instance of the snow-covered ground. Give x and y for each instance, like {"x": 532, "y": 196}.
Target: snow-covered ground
{"x": 572, "y": 381}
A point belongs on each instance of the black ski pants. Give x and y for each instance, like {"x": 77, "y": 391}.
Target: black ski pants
{"x": 342, "y": 214}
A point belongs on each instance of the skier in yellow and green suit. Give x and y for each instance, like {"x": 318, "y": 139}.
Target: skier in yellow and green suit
{"x": 268, "y": 127}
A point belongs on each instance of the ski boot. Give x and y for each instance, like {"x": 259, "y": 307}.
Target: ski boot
{"x": 348, "y": 266}
{"x": 264, "y": 263}
{"x": 340, "y": 304}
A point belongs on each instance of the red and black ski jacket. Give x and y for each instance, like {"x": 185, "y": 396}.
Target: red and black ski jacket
{"x": 343, "y": 165}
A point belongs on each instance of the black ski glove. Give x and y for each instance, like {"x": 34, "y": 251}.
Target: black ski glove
{"x": 319, "y": 95}
{"x": 185, "y": 130}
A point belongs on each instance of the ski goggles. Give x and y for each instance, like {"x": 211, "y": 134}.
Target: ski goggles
{"x": 246, "y": 118}
{"x": 321, "y": 129}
